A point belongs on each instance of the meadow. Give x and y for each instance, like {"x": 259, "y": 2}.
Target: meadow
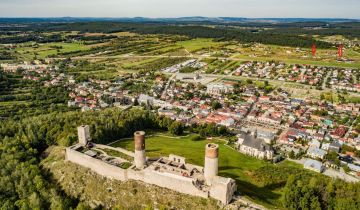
{"x": 199, "y": 44}
{"x": 28, "y": 51}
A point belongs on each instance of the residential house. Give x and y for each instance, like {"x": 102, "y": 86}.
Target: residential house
{"x": 315, "y": 153}
{"x": 314, "y": 165}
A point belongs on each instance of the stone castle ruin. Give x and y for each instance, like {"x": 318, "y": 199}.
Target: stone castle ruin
{"x": 169, "y": 172}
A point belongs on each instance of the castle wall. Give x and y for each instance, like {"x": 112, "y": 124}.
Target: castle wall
{"x": 223, "y": 191}
{"x": 173, "y": 182}
{"x": 166, "y": 180}
{"x": 96, "y": 165}
{"x": 216, "y": 187}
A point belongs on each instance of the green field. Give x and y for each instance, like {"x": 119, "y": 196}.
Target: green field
{"x": 332, "y": 63}
{"x": 198, "y": 44}
{"x": 138, "y": 63}
{"x": 28, "y": 51}
{"x": 231, "y": 164}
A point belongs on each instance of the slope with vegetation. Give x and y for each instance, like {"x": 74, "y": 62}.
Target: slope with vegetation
{"x": 25, "y": 184}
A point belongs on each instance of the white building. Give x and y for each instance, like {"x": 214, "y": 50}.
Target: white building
{"x": 314, "y": 143}
{"x": 218, "y": 88}
{"x": 314, "y": 152}
{"x": 268, "y": 136}
{"x": 145, "y": 99}
{"x": 227, "y": 122}
{"x": 314, "y": 165}
{"x": 252, "y": 146}
{"x": 325, "y": 146}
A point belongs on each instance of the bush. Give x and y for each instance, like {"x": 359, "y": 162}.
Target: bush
{"x": 196, "y": 138}
{"x": 176, "y": 128}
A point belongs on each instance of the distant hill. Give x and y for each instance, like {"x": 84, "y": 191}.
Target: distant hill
{"x": 177, "y": 20}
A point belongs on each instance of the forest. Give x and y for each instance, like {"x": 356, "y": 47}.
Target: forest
{"x": 31, "y": 37}
{"x": 5, "y": 55}
{"x": 283, "y": 36}
{"x": 318, "y": 193}
{"x": 33, "y": 99}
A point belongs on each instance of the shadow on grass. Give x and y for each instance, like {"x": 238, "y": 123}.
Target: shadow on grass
{"x": 264, "y": 194}
{"x": 152, "y": 150}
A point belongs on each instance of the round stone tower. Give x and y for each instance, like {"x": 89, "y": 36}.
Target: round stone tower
{"x": 211, "y": 162}
{"x": 140, "y": 158}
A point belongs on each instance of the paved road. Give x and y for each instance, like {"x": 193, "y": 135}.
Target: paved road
{"x": 331, "y": 172}
{"x": 340, "y": 175}
{"x": 175, "y": 56}
{"x": 168, "y": 84}
{"x": 245, "y": 202}
{"x": 325, "y": 79}
{"x": 350, "y": 129}
{"x": 189, "y": 53}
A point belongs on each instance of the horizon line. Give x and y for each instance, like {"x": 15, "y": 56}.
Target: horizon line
{"x": 134, "y": 17}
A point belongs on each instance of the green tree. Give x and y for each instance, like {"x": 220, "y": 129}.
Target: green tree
{"x": 315, "y": 204}
{"x": 215, "y": 105}
{"x": 292, "y": 154}
{"x": 176, "y": 128}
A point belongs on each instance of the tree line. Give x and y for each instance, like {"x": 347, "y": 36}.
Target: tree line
{"x": 276, "y": 37}
{"x": 318, "y": 193}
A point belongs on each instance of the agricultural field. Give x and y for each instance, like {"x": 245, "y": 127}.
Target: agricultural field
{"x": 242, "y": 168}
{"x": 115, "y": 45}
{"x": 338, "y": 96}
{"x": 290, "y": 55}
{"x": 194, "y": 45}
{"x": 220, "y": 65}
{"x": 29, "y": 51}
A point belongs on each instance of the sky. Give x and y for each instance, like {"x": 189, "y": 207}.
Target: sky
{"x": 182, "y": 8}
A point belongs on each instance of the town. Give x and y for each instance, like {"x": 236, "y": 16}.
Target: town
{"x": 179, "y": 113}
{"x": 269, "y": 123}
